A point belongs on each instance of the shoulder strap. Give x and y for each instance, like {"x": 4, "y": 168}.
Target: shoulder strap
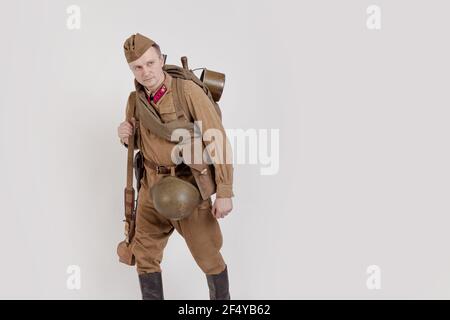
{"x": 129, "y": 193}
{"x": 131, "y": 112}
{"x": 179, "y": 99}
{"x": 149, "y": 120}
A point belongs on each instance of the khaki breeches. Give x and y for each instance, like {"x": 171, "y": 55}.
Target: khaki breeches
{"x": 200, "y": 230}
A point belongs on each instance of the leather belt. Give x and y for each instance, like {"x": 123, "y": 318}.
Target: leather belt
{"x": 179, "y": 170}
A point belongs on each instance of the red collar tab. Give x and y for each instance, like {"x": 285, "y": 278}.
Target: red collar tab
{"x": 158, "y": 94}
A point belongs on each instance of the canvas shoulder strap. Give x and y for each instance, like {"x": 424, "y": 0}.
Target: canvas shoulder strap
{"x": 152, "y": 122}
{"x": 129, "y": 193}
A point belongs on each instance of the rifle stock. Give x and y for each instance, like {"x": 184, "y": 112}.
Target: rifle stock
{"x": 124, "y": 247}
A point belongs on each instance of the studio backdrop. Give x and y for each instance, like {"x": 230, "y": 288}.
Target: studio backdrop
{"x": 337, "y": 112}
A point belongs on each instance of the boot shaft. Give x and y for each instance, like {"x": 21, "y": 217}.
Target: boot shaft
{"x": 151, "y": 286}
{"x": 219, "y": 286}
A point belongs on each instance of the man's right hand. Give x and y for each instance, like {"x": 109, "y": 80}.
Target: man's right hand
{"x": 125, "y": 130}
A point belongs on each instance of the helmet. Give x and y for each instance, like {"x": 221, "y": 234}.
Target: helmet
{"x": 175, "y": 198}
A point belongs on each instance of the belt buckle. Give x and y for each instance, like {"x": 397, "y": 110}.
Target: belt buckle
{"x": 161, "y": 170}
{"x": 164, "y": 169}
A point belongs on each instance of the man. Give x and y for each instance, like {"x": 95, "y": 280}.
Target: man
{"x": 201, "y": 229}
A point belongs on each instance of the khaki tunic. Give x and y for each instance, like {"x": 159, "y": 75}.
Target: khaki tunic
{"x": 159, "y": 150}
{"x": 201, "y": 229}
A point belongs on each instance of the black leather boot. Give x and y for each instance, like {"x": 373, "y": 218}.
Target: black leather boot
{"x": 151, "y": 286}
{"x": 218, "y": 286}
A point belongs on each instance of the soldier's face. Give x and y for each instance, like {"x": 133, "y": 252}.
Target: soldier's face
{"x": 148, "y": 69}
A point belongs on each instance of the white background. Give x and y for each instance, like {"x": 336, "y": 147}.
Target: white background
{"x": 364, "y": 146}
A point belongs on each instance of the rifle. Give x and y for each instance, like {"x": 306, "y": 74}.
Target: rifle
{"x": 130, "y": 201}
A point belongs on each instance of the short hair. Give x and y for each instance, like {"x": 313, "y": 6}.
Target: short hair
{"x": 157, "y": 48}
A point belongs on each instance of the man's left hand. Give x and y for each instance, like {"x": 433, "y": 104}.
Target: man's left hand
{"x": 222, "y": 207}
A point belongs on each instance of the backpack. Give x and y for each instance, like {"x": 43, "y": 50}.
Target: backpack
{"x": 211, "y": 82}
